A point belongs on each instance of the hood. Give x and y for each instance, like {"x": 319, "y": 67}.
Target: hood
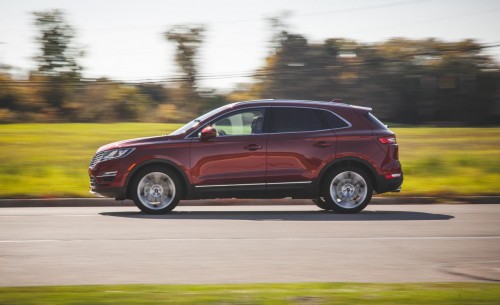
{"x": 134, "y": 142}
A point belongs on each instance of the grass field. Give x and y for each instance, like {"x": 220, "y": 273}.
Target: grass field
{"x": 51, "y": 160}
{"x": 275, "y": 294}
{"x": 450, "y": 161}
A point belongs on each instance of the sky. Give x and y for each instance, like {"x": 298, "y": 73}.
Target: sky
{"x": 124, "y": 39}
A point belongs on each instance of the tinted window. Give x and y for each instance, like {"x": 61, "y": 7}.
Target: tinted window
{"x": 374, "y": 121}
{"x": 332, "y": 120}
{"x": 296, "y": 119}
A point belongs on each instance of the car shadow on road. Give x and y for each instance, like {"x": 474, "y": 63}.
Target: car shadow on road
{"x": 286, "y": 215}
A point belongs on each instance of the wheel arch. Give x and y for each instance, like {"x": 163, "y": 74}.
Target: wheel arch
{"x": 159, "y": 162}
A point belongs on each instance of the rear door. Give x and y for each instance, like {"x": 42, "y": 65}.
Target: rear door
{"x": 300, "y": 143}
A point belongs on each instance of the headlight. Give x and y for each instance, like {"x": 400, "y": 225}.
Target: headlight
{"x": 116, "y": 153}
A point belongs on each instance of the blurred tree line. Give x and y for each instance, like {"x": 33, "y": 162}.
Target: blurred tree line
{"x": 405, "y": 81}
{"x": 57, "y": 92}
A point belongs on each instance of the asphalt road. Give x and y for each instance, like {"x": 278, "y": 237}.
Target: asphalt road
{"x": 238, "y": 244}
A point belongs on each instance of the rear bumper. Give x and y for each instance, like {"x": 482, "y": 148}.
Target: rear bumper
{"x": 385, "y": 185}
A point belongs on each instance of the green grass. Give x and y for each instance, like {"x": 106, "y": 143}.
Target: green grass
{"x": 275, "y": 294}
{"x": 450, "y": 161}
{"x": 51, "y": 160}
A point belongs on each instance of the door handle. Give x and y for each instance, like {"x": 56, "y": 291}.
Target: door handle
{"x": 322, "y": 144}
{"x": 252, "y": 147}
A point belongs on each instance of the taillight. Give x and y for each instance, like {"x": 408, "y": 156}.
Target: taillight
{"x": 387, "y": 140}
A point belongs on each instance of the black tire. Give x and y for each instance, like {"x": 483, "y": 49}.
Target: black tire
{"x": 155, "y": 190}
{"x": 320, "y": 203}
{"x": 347, "y": 190}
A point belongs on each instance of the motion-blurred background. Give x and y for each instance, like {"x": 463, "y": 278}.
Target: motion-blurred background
{"x": 166, "y": 61}
{"x": 416, "y": 63}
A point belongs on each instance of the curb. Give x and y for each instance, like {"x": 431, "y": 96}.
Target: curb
{"x": 96, "y": 202}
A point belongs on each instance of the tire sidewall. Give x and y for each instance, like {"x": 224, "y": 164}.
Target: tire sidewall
{"x": 332, "y": 205}
{"x": 145, "y": 171}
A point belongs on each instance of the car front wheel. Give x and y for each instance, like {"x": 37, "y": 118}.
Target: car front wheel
{"x": 156, "y": 190}
{"x": 347, "y": 190}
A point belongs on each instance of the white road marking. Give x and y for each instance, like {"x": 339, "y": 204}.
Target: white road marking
{"x": 263, "y": 239}
{"x": 51, "y": 215}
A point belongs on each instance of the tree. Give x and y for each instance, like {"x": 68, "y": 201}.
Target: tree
{"x": 280, "y": 30}
{"x": 58, "y": 56}
{"x": 403, "y": 80}
{"x": 295, "y": 68}
{"x": 189, "y": 39}
{"x": 57, "y": 61}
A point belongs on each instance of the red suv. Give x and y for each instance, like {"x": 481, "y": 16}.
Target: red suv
{"x": 333, "y": 153}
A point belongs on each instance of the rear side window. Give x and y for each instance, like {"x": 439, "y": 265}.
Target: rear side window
{"x": 374, "y": 121}
{"x": 333, "y": 121}
{"x": 295, "y": 119}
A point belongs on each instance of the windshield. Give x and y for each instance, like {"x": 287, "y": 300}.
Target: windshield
{"x": 194, "y": 123}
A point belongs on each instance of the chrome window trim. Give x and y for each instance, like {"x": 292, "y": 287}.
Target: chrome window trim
{"x": 349, "y": 125}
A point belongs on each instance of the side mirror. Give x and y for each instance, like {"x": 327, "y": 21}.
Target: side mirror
{"x": 208, "y": 133}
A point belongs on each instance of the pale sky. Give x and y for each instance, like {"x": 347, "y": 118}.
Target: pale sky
{"x": 123, "y": 39}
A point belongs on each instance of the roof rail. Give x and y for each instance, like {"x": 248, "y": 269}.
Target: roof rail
{"x": 337, "y": 100}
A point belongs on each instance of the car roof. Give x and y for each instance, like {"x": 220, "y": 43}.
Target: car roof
{"x": 304, "y": 103}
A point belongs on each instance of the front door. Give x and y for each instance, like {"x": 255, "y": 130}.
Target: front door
{"x": 236, "y": 157}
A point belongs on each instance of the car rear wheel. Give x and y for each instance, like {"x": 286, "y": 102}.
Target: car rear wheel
{"x": 156, "y": 190}
{"x": 347, "y": 190}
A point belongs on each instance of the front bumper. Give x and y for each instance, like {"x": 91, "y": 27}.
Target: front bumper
{"x": 108, "y": 179}
{"x": 117, "y": 193}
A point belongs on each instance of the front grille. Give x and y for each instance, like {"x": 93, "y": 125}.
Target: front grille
{"x": 96, "y": 159}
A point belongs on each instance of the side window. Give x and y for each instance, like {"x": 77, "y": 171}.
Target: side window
{"x": 296, "y": 119}
{"x": 375, "y": 122}
{"x": 242, "y": 123}
{"x": 332, "y": 120}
